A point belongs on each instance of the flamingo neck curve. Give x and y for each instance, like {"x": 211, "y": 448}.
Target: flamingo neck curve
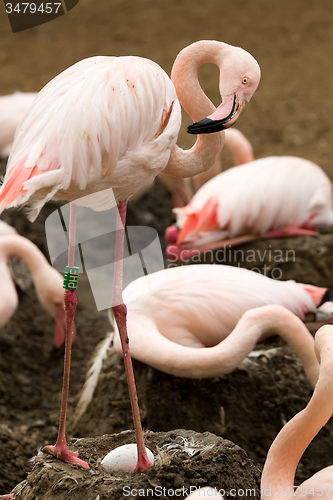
{"x": 278, "y": 475}
{"x": 184, "y": 75}
{"x": 18, "y": 246}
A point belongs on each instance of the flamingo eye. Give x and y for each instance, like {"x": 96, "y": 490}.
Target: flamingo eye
{"x": 245, "y": 80}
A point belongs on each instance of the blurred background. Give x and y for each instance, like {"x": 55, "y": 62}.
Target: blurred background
{"x": 292, "y": 40}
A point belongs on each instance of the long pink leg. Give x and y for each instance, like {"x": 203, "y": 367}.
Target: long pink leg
{"x": 120, "y": 313}
{"x": 59, "y": 450}
{"x": 7, "y": 497}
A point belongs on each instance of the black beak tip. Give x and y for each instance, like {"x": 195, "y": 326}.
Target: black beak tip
{"x": 206, "y": 126}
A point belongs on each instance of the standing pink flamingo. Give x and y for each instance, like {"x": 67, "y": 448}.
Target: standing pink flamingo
{"x": 47, "y": 280}
{"x": 271, "y": 197}
{"x": 13, "y": 107}
{"x": 202, "y": 320}
{"x": 111, "y": 122}
{"x": 278, "y": 475}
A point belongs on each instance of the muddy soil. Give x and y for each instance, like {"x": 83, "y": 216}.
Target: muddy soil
{"x": 291, "y": 113}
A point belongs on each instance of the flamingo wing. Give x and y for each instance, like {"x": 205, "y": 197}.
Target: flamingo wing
{"x": 84, "y": 122}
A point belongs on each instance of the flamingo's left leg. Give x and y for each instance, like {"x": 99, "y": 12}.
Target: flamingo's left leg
{"x": 60, "y": 450}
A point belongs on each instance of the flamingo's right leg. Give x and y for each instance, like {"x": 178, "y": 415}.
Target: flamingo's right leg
{"x": 120, "y": 315}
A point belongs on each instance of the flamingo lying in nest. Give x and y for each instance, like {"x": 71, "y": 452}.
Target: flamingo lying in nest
{"x": 267, "y": 198}
{"x": 201, "y": 321}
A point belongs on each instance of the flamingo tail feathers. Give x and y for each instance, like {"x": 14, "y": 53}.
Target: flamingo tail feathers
{"x": 13, "y": 188}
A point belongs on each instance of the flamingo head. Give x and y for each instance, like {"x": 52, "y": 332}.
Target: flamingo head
{"x": 239, "y": 78}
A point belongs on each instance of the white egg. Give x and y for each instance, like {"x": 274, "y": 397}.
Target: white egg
{"x": 124, "y": 458}
{"x": 205, "y": 492}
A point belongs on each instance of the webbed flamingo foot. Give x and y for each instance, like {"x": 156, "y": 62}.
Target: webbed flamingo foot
{"x": 59, "y": 450}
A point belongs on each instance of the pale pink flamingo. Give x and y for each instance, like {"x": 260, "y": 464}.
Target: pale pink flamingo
{"x": 13, "y": 107}
{"x": 271, "y": 197}
{"x": 47, "y": 281}
{"x": 184, "y": 189}
{"x": 278, "y": 475}
{"x": 202, "y": 320}
{"x": 111, "y": 122}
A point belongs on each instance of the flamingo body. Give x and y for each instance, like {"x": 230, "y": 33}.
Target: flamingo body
{"x": 176, "y": 313}
{"x": 113, "y": 122}
{"x": 13, "y": 107}
{"x": 257, "y": 198}
{"x": 104, "y": 122}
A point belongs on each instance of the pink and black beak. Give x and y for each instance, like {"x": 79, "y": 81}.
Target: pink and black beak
{"x": 223, "y": 117}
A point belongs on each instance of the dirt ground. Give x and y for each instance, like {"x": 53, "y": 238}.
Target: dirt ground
{"x": 289, "y": 114}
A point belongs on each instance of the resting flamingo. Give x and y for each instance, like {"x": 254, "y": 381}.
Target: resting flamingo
{"x": 271, "y": 197}
{"x": 278, "y": 475}
{"x": 110, "y": 122}
{"x": 47, "y": 280}
{"x": 202, "y": 320}
{"x": 13, "y": 107}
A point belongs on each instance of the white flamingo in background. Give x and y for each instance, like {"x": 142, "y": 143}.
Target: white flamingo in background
{"x": 13, "y": 107}
{"x": 47, "y": 281}
{"x": 278, "y": 475}
{"x": 113, "y": 122}
{"x": 271, "y": 197}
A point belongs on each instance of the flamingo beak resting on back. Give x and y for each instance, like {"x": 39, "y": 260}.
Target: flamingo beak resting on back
{"x": 223, "y": 117}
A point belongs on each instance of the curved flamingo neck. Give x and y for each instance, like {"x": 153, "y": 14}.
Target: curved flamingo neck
{"x": 290, "y": 444}
{"x": 18, "y": 246}
{"x": 256, "y": 324}
{"x": 184, "y": 76}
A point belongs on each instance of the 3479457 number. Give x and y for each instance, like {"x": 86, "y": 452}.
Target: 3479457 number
{"x": 31, "y": 8}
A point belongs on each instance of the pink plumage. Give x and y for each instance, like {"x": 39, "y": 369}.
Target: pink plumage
{"x": 256, "y": 199}
{"x": 176, "y": 313}
{"x": 86, "y": 124}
